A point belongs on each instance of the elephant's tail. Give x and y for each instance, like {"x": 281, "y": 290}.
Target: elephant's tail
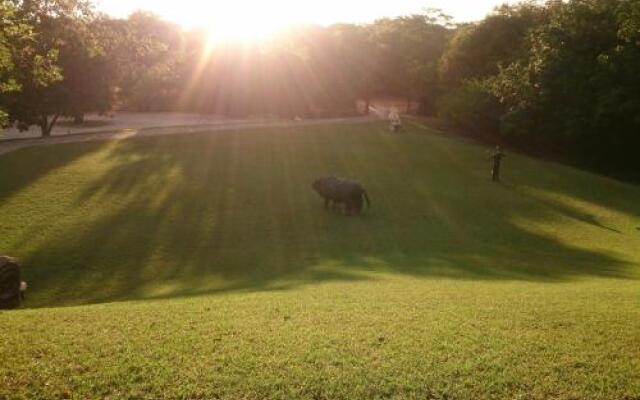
{"x": 366, "y": 197}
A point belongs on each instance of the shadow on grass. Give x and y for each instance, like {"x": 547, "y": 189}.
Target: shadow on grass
{"x": 25, "y": 166}
{"x": 191, "y": 215}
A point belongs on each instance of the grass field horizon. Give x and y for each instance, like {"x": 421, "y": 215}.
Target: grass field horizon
{"x": 203, "y": 266}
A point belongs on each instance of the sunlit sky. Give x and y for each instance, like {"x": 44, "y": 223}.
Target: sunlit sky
{"x": 250, "y": 18}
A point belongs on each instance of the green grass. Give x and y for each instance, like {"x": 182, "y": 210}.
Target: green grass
{"x": 219, "y": 274}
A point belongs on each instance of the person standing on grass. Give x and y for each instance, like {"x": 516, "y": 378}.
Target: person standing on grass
{"x": 496, "y": 156}
{"x": 395, "y": 124}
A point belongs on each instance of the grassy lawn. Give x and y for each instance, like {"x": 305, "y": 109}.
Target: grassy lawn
{"x": 203, "y": 266}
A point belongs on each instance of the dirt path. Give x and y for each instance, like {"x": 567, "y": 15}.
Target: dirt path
{"x": 7, "y": 146}
{"x": 119, "y": 120}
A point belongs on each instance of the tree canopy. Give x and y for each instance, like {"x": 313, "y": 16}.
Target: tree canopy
{"x": 558, "y": 77}
{"x": 21, "y": 62}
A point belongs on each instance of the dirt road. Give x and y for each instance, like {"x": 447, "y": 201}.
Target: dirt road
{"x": 163, "y": 126}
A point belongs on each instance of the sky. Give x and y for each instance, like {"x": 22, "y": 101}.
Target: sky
{"x": 252, "y": 18}
{"x": 192, "y": 13}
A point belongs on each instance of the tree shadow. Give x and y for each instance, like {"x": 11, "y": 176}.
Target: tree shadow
{"x": 226, "y": 212}
{"x": 23, "y": 167}
{"x": 557, "y": 176}
{"x": 573, "y": 213}
{"x": 581, "y": 186}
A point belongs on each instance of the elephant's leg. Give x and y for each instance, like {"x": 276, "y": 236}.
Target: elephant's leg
{"x": 348, "y": 208}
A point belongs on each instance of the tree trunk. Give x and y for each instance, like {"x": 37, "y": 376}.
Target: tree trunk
{"x": 367, "y": 104}
{"x": 78, "y": 119}
{"x": 46, "y": 126}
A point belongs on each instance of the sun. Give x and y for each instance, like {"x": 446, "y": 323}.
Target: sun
{"x": 240, "y": 26}
{"x": 232, "y": 32}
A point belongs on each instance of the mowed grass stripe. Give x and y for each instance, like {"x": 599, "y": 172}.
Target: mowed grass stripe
{"x": 450, "y": 287}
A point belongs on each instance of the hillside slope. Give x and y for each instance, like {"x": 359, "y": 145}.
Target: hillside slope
{"x": 450, "y": 286}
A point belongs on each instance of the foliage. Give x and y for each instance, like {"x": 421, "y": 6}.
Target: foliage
{"x": 20, "y": 58}
{"x": 477, "y": 50}
{"x": 151, "y": 57}
{"x": 471, "y": 107}
{"x": 569, "y": 84}
{"x": 66, "y": 30}
{"x": 555, "y": 77}
{"x": 474, "y": 56}
{"x": 410, "y": 49}
{"x": 144, "y": 63}
{"x": 304, "y": 71}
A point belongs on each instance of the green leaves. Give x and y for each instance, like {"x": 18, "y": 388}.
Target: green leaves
{"x": 45, "y": 72}
{"x": 565, "y": 73}
{"x": 54, "y": 62}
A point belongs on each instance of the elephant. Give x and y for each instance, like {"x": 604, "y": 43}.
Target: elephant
{"x": 337, "y": 192}
{"x": 11, "y": 287}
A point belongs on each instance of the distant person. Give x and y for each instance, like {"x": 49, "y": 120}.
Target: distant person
{"x": 395, "y": 124}
{"x": 496, "y": 156}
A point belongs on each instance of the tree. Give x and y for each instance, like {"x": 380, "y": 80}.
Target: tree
{"x": 410, "y": 49}
{"x": 478, "y": 50}
{"x": 19, "y": 58}
{"x": 476, "y": 54}
{"x": 356, "y": 54}
{"x": 11, "y": 32}
{"x": 63, "y": 30}
{"x": 579, "y": 84}
{"x": 89, "y": 71}
{"x": 154, "y": 58}
{"x": 559, "y": 78}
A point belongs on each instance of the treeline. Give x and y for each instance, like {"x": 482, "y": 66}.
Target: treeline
{"x": 559, "y": 78}
{"x": 306, "y": 71}
{"x": 63, "y": 59}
